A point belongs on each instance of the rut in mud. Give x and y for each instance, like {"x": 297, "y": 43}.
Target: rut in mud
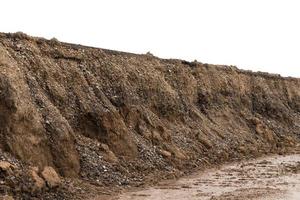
{"x": 270, "y": 178}
{"x": 102, "y": 121}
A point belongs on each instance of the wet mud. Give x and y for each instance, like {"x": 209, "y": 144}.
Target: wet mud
{"x": 268, "y": 178}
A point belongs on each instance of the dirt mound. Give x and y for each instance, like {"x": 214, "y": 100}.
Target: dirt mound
{"x": 103, "y": 118}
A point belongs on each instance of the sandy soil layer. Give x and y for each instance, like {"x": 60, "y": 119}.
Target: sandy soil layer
{"x": 271, "y": 178}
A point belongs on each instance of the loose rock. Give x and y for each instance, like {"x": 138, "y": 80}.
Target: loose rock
{"x": 51, "y": 177}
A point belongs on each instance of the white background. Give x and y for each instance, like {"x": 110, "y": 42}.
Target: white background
{"x": 259, "y": 35}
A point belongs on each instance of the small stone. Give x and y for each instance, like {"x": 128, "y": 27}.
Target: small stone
{"x": 259, "y": 129}
{"x": 156, "y": 136}
{"x": 180, "y": 155}
{"x": 104, "y": 147}
{"x": 51, "y": 177}
{"x": 165, "y": 154}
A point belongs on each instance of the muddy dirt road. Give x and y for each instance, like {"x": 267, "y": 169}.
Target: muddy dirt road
{"x": 269, "y": 178}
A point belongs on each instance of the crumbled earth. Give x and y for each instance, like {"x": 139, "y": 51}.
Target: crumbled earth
{"x": 106, "y": 121}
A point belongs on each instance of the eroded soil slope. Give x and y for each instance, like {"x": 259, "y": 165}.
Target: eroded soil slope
{"x": 107, "y": 119}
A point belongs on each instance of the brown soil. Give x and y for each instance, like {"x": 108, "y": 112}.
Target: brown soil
{"x": 107, "y": 121}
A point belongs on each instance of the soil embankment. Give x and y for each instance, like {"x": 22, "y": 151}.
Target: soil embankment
{"x": 101, "y": 120}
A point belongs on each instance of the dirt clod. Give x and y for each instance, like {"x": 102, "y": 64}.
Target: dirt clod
{"x": 51, "y": 177}
{"x": 6, "y": 167}
{"x": 39, "y": 183}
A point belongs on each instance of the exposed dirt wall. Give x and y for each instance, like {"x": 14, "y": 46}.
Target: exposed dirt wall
{"x": 79, "y": 108}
